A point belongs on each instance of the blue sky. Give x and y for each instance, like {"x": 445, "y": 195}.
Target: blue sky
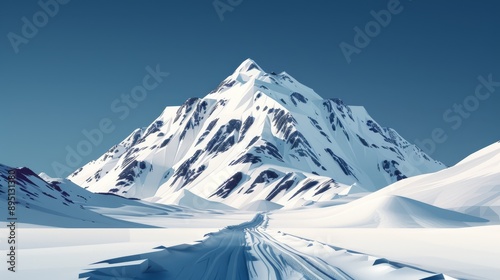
{"x": 65, "y": 77}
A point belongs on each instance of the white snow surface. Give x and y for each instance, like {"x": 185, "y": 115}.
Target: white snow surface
{"x": 465, "y": 194}
{"x": 472, "y": 186}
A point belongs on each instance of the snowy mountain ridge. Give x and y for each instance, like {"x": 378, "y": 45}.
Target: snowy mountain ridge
{"x": 256, "y": 137}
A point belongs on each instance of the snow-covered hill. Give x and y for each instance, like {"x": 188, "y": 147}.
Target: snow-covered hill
{"x": 465, "y": 194}
{"x": 55, "y": 203}
{"x": 257, "y": 136}
{"x": 472, "y": 186}
{"x": 52, "y": 202}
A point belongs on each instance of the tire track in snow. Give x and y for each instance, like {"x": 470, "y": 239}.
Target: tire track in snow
{"x": 247, "y": 251}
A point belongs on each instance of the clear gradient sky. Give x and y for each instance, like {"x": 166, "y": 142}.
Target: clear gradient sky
{"x": 65, "y": 78}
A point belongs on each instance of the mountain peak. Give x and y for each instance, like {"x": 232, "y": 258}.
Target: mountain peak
{"x": 248, "y": 65}
{"x": 247, "y": 69}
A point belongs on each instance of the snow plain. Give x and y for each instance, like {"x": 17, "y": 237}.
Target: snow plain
{"x": 257, "y": 250}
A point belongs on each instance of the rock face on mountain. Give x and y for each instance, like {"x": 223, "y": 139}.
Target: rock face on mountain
{"x": 256, "y": 137}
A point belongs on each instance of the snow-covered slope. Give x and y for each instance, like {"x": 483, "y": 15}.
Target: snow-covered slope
{"x": 472, "y": 186}
{"x": 257, "y": 136}
{"x": 188, "y": 199}
{"x": 52, "y": 202}
{"x": 466, "y": 193}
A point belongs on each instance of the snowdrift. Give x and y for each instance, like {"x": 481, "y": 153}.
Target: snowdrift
{"x": 472, "y": 186}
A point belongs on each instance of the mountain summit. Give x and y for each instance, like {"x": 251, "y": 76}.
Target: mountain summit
{"x": 257, "y": 137}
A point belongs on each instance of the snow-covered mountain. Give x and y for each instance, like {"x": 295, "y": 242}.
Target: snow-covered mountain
{"x": 257, "y": 137}
{"x": 56, "y": 202}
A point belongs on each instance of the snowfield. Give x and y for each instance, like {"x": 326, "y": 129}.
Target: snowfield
{"x": 462, "y": 253}
{"x": 256, "y": 250}
{"x": 248, "y": 251}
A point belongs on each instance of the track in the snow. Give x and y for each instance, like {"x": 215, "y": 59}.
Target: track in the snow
{"x": 244, "y": 251}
